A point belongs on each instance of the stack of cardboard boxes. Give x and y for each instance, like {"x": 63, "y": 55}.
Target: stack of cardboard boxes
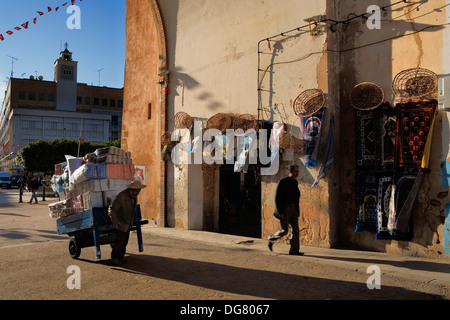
{"x": 94, "y": 181}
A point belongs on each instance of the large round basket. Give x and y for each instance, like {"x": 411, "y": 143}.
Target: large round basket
{"x": 244, "y": 122}
{"x": 366, "y": 96}
{"x": 309, "y": 102}
{"x": 182, "y": 120}
{"x": 220, "y": 121}
{"x": 414, "y": 83}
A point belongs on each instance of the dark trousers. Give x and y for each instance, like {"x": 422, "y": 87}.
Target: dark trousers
{"x": 290, "y": 218}
{"x": 120, "y": 244}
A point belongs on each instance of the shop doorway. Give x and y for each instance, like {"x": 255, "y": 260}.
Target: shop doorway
{"x": 240, "y": 202}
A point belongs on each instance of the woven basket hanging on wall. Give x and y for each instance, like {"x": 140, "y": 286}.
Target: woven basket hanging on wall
{"x": 366, "y": 96}
{"x": 182, "y": 120}
{"x": 166, "y": 138}
{"x": 220, "y": 121}
{"x": 414, "y": 83}
{"x": 284, "y": 140}
{"x": 296, "y": 144}
{"x": 309, "y": 102}
{"x": 244, "y": 122}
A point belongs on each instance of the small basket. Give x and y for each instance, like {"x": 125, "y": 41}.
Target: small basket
{"x": 296, "y": 144}
{"x": 284, "y": 140}
{"x": 414, "y": 83}
{"x": 366, "y": 96}
{"x": 309, "y": 102}
{"x": 220, "y": 121}
{"x": 166, "y": 138}
{"x": 244, "y": 122}
{"x": 182, "y": 120}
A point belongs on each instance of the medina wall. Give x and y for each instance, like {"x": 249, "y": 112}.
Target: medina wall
{"x": 411, "y": 35}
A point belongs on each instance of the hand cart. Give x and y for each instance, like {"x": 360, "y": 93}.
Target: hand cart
{"x": 93, "y": 227}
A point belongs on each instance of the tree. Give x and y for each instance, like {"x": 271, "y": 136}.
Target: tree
{"x": 42, "y": 155}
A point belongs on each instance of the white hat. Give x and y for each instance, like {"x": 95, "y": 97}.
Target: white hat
{"x": 136, "y": 184}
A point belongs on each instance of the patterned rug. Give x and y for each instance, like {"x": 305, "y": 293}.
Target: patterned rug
{"x": 413, "y": 126}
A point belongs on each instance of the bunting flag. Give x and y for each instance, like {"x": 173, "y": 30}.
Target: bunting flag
{"x": 34, "y": 20}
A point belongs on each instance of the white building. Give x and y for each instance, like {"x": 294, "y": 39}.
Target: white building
{"x": 34, "y": 109}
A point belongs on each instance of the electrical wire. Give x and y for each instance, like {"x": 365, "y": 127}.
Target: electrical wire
{"x": 335, "y": 23}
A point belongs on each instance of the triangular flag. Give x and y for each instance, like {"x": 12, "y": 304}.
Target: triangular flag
{"x": 34, "y": 20}
{"x": 9, "y": 32}
{"x": 49, "y": 9}
{"x": 64, "y": 4}
{"x": 25, "y": 25}
{"x": 73, "y": 1}
{"x": 56, "y": 9}
{"x": 40, "y": 13}
{"x": 2, "y": 37}
{"x": 17, "y": 28}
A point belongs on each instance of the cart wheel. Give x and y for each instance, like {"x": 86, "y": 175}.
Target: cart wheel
{"x": 74, "y": 249}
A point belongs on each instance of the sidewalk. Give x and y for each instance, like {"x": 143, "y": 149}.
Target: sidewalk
{"x": 435, "y": 271}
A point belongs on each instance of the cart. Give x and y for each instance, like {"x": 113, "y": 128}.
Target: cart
{"x": 93, "y": 227}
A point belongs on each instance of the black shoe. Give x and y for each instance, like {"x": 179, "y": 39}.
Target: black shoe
{"x": 270, "y": 245}
{"x": 296, "y": 253}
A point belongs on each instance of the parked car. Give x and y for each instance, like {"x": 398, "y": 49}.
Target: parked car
{"x": 5, "y": 179}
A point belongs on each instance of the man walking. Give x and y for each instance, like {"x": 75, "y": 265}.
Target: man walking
{"x": 122, "y": 212}
{"x": 33, "y": 185}
{"x": 287, "y": 204}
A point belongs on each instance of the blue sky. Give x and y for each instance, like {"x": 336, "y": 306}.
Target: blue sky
{"x": 98, "y": 44}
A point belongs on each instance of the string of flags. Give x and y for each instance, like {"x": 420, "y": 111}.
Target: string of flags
{"x": 25, "y": 25}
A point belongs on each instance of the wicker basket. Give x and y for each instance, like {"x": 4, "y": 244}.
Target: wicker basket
{"x": 244, "y": 122}
{"x": 220, "y": 121}
{"x": 182, "y": 120}
{"x": 284, "y": 140}
{"x": 296, "y": 144}
{"x": 366, "y": 96}
{"x": 166, "y": 138}
{"x": 309, "y": 102}
{"x": 414, "y": 83}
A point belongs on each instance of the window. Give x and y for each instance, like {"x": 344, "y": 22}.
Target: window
{"x": 32, "y": 96}
{"x": 96, "y": 102}
{"x": 104, "y": 102}
{"x": 112, "y": 103}
{"x": 41, "y": 96}
{"x": 79, "y": 100}
{"x": 22, "y": 95}
{"x": 51, "y": 97}
{"x": 120, "y": 104}
{"x": 87, "y": 100}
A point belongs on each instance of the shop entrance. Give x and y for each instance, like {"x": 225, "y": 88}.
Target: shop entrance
{"x": 240, "y": 202}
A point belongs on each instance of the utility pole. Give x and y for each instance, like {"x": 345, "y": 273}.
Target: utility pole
{"x": 12, "y": 64}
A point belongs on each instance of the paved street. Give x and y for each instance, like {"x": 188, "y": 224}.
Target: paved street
{"x": 195, "y": 265}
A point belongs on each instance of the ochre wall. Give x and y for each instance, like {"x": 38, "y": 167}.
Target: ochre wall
{"x": 141, "y": 131}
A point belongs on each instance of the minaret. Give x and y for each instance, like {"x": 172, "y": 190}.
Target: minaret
{"x": 66, "y": 82}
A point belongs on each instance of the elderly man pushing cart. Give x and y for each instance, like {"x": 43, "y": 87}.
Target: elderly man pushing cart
{"x": 122, "y": 212}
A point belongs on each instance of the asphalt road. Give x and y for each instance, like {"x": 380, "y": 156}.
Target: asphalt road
{"x": 35, "y": 264}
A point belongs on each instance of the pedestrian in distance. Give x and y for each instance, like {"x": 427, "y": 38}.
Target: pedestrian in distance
{"x": 122, "y": 212}
{"x": 33, "y": 185}
{"x": 21, "y": 185}
{"x": 287, "y": 200}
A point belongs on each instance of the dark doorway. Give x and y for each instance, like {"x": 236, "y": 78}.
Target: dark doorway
{"x": 240, "y": 202}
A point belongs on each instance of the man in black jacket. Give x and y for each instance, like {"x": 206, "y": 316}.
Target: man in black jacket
{"x": 33, "y": 185}
{"x": 287, "y": 204}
